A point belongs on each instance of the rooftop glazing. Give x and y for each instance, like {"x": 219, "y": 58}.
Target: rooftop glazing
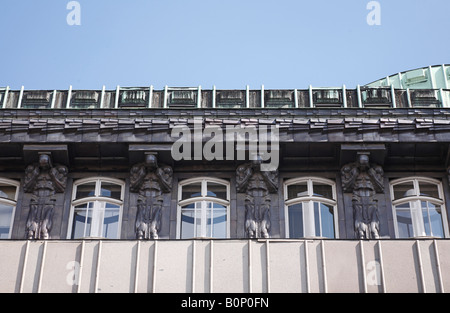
{"x": 431, "y": 77}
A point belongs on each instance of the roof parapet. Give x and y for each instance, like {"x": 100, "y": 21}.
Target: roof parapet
{"x": 200, "y": 98}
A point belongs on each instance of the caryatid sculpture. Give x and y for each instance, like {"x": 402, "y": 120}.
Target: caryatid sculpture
{"x": 43, "y": 180}
{"x": 364, "y": 180}
{"x": 150, "y": 181}
{"x": 257, "y": 185}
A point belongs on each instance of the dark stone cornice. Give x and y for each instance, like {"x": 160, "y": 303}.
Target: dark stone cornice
{"x": 300, "y": 125}
{"x": 442, "y": 113}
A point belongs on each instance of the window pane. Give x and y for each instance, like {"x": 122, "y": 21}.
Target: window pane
{"x": 327, "y": 219}
{"x": 404, "y": 190}
{"x": 404, "y": 221}
{"x": 111, "y": 190}
{"x": 82, "y": 222}
{"x": 189, "y": 206}
{"x": 297, "y": 190}
{"x": 85, "y": 190}
{"x": 198, "y": 219}
{"x": 429, "y": 190}
{"x": 316, "y": 219}
{"x": 191, "y": 191}
{"x": 191, "y": 220}
{"x": 436, "y": 221}
{"x": 5, "y": 220}
{"x": 322, "y": 190}
{"x": 111, "y": 224}
{"x": 295, "y": 213}
{"x": 216, "y": 221}
{"x": 79, "y": 220}
{"x": 432, "y": 219}
{"x": 187, "y": 224}
{"x": 426, "y": 221}
{"x": 217, "y": 190}
{"x": 110, "y": 206}
{"x": 8, "y": 192}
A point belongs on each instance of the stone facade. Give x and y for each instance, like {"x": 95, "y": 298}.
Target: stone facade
{"x": 360, "y": 145}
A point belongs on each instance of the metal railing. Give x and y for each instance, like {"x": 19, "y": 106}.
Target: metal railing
{"x": 199, "y": 98}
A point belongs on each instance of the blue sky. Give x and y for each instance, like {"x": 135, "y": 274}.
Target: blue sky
{"x": 227, "y": 43}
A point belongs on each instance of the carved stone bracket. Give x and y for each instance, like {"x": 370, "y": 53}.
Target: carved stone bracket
{"x": 43, "y": 180}
{"x": 257, "y": 185}
{"x": 150, "y": 181}
{"x": 364, "y": 180}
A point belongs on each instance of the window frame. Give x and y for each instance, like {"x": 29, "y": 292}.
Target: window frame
{"x": 416, "y": 199}
{"x": 13, "y": 203}
{"x": 96, "y": 199}
{"x": 310, "y": 199}
{"x": 203, "y": 199}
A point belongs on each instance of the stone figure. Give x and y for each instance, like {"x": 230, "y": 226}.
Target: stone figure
{"x": 257, "y": 186}
{"x": 364, "y": 181}
{"x": 43, "y": 180}
{"x": 150, "y": 181}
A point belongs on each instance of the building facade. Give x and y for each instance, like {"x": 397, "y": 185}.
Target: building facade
{"x": 185, "y": 167}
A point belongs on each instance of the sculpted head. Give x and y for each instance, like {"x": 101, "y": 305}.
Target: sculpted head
{"x": 363, "y": 161}
{"x": 44, "y": 161}
{"x": 151, "y": 161}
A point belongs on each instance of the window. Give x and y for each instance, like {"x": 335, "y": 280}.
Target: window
{"x": 203, "y": 208}
{"x": 310, "y": 208}
{"x": 8, "y": 200}
{"x": 419, "y": 209}
{"x": 96, "y": 208}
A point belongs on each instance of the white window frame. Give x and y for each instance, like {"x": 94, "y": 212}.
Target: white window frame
{"x": 12, "y": 203}
{"x": 97, "y": 200}
{"x": 415, "y": 206}
{"x": 203, "y": 199}
{"x": 309, "y": 199}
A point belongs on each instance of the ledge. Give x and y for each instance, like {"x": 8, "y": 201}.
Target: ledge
{"x": 443, "y": 113}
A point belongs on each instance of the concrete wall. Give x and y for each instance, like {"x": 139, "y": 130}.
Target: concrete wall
{"x": 225, "y": 266}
